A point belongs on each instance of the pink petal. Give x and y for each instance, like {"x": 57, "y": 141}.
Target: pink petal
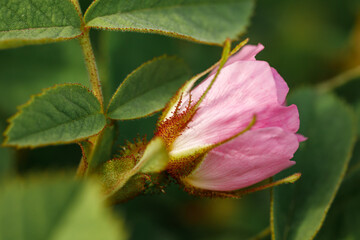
{"x": 301, "y": 138}
{"x": 242, "y": 89}
{"x": 279, "y": 116}
{"x": 246, "y": 53}
{"x": 281, "y": 86}
{"x": 246, "y": 160}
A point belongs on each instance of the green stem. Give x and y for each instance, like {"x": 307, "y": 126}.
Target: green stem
{"x": 339, "y": 80}
{"x": 272, "y": 223}
{"x": 104, "y": 65}
{"x": 90, "y": 151}
{"x": 91, "y": 66}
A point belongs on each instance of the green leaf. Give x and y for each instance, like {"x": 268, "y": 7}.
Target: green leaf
{"x": 299, "y": 209}
{"x": 205, "y": 21}
{"x": 343, "y": 219}
{"x": 36, "y": 21}
{"x": 148, "y": 88}
{"x": 62, "y": 114}
{"x": 55, "y": 209}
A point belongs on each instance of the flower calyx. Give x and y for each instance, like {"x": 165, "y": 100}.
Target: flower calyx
{"x": 139, "y": 165}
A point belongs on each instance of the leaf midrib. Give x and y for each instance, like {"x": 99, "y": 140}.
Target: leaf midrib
{"x": 47, "y": 129}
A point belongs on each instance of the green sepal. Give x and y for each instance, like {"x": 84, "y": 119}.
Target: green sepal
{"x": 126, "y": 176}
{"x": 141, "y": 183}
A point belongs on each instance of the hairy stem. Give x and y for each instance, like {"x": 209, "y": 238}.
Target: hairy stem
{"x": 91, "y": 66}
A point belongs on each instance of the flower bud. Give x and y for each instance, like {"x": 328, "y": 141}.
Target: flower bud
{"x": 213, "y": 140}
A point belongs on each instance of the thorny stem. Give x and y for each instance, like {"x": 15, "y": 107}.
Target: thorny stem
{"x": 91, "y": 66}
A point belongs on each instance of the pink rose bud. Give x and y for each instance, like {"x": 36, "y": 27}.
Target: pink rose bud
{"x": 200, "y": 139}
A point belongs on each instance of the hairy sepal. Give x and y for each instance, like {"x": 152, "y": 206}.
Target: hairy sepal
{"x": 126, "y": 175}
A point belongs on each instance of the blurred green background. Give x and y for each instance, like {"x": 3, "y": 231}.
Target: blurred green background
{"x": 307, "y": 41}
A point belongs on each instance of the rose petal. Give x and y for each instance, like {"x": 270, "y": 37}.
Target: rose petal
{"x": 301, "y": 138}
{"x": 279, "y": 116}
{"x": 246, "y": 53}
{"x": 281, "y": 86}
{"x": 246, "y": 160}
{"x": 241, "y": 90}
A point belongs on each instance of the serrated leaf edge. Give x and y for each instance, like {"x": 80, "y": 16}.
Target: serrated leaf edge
{"x": 161, "y": 32}
{"x": 17, "y": 42}
{"x": 19, "y": 112}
